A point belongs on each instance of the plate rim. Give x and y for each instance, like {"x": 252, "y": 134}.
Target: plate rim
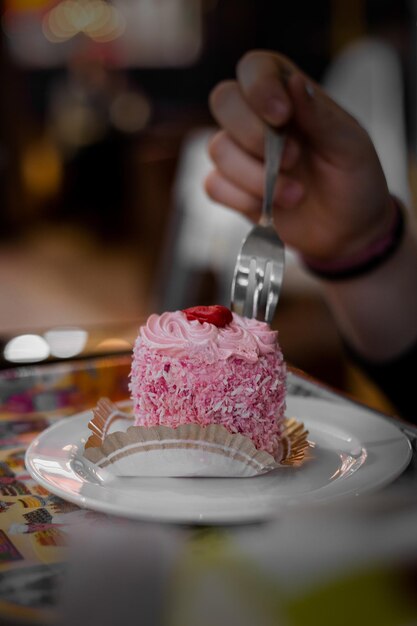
{"x": 109, "y": 508}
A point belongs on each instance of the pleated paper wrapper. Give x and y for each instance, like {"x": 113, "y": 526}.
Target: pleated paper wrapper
{"x": 188, "y": 450}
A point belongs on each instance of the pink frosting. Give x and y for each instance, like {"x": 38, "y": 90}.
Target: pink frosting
{"x": 172, "y": 334}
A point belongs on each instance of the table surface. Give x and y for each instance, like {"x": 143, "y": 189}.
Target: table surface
{"x": 34, "y": 523}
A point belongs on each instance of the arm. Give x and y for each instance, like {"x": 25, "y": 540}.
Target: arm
{"x": 331, "y": 201}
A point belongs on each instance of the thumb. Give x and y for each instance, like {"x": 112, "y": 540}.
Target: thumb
{"x": 280, "y": 93}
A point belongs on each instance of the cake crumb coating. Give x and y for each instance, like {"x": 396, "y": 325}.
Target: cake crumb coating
{"x": 244, "y": 397}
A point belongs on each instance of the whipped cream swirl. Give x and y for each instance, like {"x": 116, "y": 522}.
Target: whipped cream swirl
{"x": 173, "y": 334}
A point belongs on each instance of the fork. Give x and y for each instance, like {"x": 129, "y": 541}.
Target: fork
{"x": 259, "y": 267}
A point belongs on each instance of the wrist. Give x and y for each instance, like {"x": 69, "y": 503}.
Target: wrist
{"x": 367, "y": 258}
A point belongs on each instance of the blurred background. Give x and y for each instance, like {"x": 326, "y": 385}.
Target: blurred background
{"x": 103, "y": 131}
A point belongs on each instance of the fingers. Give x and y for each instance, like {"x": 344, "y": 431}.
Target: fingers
{"x": 221, "y": 190}
{"x": 233, "y": 113}
{"x": 238, "y": 181}
{"x": 288, "y": 195}
{"x": 262, "y": 76}
{"x": 236, "y": 165}
{"x": 247, "y": 172}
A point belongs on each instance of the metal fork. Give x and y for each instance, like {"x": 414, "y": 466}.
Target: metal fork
{"x": 259, "y": 268}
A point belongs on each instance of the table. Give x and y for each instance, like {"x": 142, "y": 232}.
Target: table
{"x": 34, "y": 524}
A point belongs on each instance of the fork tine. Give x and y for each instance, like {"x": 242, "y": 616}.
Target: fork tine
{"x": 239, "y": 286}
{"x": 251, "y": 294}
{"x": 267, "y": 294}
{"x": 273, "y": 294}
{"x": 244, "y": 286}
{"x": 265, "y": 286}
{"x": 258, "y": 302}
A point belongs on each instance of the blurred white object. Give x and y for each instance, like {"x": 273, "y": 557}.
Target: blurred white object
{"x": 205, "y": 235}
{"x": 211, "y": 234}
{"x": 366, "y": 79}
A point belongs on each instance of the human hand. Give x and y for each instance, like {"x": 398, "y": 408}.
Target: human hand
{"x": 331, "y": 199}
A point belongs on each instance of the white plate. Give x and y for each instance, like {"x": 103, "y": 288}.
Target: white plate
{"x": 355, "y": 451}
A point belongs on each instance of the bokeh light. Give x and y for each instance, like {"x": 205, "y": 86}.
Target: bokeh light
{"x": 26, "y": 349}
{"x": 66, "y": 342}
{"x": 100, "y": 21}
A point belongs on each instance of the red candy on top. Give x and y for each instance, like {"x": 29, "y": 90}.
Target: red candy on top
{"x": 216, "y": 314}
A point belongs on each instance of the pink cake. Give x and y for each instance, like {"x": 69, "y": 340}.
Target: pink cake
{"x": 207, "y": 365}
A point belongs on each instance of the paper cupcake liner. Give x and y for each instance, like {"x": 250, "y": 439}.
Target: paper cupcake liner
{"x": 188, "y": 450}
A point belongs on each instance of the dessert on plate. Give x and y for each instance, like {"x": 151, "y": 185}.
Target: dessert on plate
{"x": 207, "y": 365}
{"x": 208, "y": 392}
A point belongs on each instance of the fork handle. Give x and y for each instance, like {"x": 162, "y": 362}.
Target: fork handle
{"x": 274, "y": 147}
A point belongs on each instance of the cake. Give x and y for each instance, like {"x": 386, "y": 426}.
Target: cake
{"x": 207, "y": 365}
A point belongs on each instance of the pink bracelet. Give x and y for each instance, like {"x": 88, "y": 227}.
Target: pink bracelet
{"x": 370, "y": 258}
